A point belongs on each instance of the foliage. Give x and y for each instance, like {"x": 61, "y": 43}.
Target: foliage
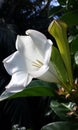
{"x": 61, "y": 126}
{"x": 66, "y": 107}
{"x": 36, "y": 88}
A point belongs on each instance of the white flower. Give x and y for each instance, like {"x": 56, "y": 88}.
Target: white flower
{"x": 31, "y": 60}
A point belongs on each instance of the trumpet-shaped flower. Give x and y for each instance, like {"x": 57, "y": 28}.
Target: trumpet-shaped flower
{"x": 31, "y": 60}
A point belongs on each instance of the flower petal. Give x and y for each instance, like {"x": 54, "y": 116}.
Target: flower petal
{"x": 28, "y": 51}
{"x": 40, "y": 41}
{"x": 48, "y": 52}
{"x": 40, "y": 72}
{"x": 50, "y": 75}
{"x": 25, "y": 45}
{"x": 18, "y": 82}
{"x": 35, "y": 46}
{"x": 5, "y": 95}
{"x": 14, "y": 63}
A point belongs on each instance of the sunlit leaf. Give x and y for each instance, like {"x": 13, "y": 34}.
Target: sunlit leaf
{"x": 59, "y": 65}
{"x": 58, "y": 29}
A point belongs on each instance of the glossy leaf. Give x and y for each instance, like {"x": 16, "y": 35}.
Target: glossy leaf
{"x": 36, "y": 88}
{"x": 62, "y": 109}
{"x": 74, "y": 45}
{"x": 58, "y": 29}
{"x": 76, "y": 57}
{"x": 59, "y": 65}
{"x": 61, "y": 126}
{"x": 55, "y": 10}
{"x": 71, "y": 18}
{"x": 62, "y": 2}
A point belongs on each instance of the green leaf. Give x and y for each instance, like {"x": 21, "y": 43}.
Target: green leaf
{"x": 29, "y": 129}
{"x": 59, "y": 65}
{"x": 58, "y": 29}
{"x": 74, "y": 45}
{"x": 76, "y": 57}
{"x": 71, "y": 18}
{"x": 36, "y": 88}
{"x": 62, "y": 2}
{"x": 61, "y": 109}
{"x": 61, "y": 126}
{"x": 55, "y": 10}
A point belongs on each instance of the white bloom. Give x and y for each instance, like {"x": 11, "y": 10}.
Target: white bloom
{"x": 31, "y": 60}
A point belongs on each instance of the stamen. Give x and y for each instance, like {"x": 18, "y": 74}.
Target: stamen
{"x": 37, "y": 63}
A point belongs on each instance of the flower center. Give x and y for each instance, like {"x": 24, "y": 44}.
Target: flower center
{"x": 37, "y": 63}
